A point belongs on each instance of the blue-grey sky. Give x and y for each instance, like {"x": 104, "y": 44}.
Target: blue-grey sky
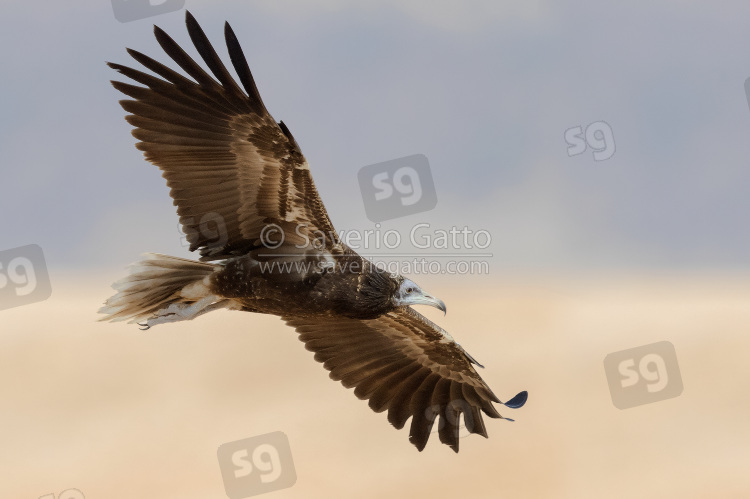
{"x": 485, "y": 91}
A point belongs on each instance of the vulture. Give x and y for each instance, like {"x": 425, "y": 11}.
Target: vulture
{"x": 247, "y": 202}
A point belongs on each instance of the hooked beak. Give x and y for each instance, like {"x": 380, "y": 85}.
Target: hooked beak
{"x": 425, "y": 299}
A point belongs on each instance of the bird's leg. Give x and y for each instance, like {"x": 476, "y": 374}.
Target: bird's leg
{"x": 182, "y": 311}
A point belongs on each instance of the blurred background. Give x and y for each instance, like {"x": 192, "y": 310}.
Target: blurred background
{"x": 603, "y": 148}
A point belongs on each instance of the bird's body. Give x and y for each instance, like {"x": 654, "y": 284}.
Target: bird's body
{"x": 307, "y": 285}
{"x": 247, "y": 202}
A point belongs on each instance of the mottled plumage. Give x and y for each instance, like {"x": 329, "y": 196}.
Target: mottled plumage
{"x": 234, "y": 173}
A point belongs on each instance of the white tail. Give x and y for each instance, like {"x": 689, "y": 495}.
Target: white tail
{"x": 161, "y": 282}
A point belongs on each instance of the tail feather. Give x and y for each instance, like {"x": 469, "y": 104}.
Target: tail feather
{"x": 154, "y": 283}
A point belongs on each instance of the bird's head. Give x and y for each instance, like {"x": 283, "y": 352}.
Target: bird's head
{"x": 379, "y": 292}
{"x": 408, "y": 293}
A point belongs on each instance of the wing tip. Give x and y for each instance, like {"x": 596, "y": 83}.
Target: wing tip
{"x": 228, "y": 31}
{"x": 518, "y": 401}
{"x": 192, "y": 23}
{"x": 417, "y": 442}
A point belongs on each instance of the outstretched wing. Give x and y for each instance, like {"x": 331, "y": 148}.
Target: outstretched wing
{"x": 231, "y": 168}
{"x": 404, "y": 363}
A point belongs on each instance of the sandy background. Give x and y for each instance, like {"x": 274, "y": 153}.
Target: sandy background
{"x": 119, "y": 413}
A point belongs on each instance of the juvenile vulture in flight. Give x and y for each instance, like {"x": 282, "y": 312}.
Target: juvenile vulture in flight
{"x": 232, "y": 167}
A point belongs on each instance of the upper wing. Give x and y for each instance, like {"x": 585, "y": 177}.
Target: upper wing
{"x": 231, "y": 168}
{"x": 404, "y": 363}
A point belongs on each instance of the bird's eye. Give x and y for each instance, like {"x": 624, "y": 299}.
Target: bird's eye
{"x": 409, "y": 290}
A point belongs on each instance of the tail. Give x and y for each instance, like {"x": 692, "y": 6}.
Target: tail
{"x": 155, "y": 283}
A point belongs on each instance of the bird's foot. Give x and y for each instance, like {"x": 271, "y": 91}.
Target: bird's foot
{"x": 180, "y": 312}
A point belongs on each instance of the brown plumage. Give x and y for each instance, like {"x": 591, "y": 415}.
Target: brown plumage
{"x": 236, "y": 177}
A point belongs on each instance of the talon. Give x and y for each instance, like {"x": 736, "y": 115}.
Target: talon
{"x": 144, "y": 326}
